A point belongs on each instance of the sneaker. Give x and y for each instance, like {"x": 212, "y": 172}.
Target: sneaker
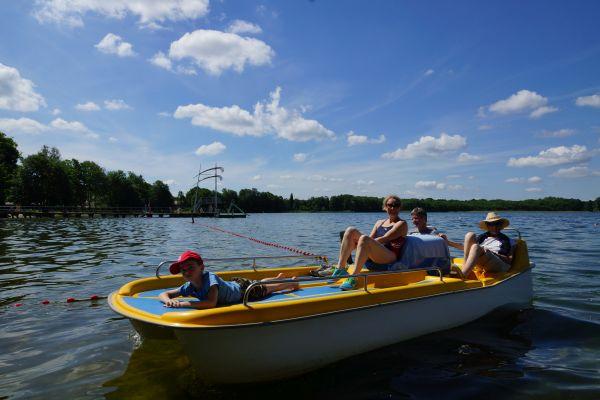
{"x": 333, "y": 272}
{"x": 339, "y": 273}
{"x": 349, "y": 284}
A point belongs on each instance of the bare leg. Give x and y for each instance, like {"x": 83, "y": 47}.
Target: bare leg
{"x": 475, "y": 255}
{"x": 370, "y": 248}
{"x": 275, "y": 287}
{"x": 470, "y": 240}
{"x": 349, "y": 243}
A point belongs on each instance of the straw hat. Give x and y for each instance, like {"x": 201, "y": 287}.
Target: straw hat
{"x": 493, "y": 217}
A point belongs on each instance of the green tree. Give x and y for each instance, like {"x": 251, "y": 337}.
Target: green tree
{"x": 120, "y": 192}
{"x": 141, "y": 188}
{"x": 181, "y": 200}
{"x": 160, "y": 195}
{"x": 9, "y": 155}
{"x": 43, "y": 180}
{"x": 94, "y": 182}
{"x": 202, "y": 193}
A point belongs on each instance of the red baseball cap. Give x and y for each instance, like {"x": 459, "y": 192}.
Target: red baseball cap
{"x": 175, "y": 268}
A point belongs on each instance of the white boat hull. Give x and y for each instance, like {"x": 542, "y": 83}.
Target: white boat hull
{"x": 269, "y": 351}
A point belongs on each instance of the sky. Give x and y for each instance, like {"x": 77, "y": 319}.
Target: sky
{"x": 460, "y": 100}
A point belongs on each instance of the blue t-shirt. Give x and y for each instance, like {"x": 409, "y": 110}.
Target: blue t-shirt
{"x": 229, "y": 292}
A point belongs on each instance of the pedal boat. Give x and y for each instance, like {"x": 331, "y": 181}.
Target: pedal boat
{"x": 290, "y": 334}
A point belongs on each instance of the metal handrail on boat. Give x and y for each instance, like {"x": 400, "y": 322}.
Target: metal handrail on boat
{"x": 322, "y": 260}
{"x": 364, "y": 276}
{"x": 514, "y": 229}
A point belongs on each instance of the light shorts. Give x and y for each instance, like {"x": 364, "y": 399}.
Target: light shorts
{"x": 495, "y": 263}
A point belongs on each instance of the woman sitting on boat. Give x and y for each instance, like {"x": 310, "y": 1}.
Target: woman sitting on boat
{"x": 379, "y": 250}
{"x": 492, "y": 250}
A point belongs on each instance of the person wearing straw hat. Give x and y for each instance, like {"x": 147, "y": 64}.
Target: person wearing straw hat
{"x": 492, "y": 249}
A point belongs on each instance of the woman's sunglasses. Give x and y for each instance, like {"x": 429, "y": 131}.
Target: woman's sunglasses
{"x": 495, "y": 223}
{"x": 392, "y": 205}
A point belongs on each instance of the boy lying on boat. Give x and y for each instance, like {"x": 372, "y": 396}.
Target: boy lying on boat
{"x": 210, "y": 289}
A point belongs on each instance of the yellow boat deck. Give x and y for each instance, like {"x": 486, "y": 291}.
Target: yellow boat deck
{"x": 138, "y": 300}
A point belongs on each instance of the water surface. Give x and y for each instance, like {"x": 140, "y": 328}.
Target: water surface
{"x": 84, "y": 350}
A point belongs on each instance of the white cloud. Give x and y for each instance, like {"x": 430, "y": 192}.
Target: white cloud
{"x": 453, "y": 176}
{"x": 590, "y": 101}
{"x": 518, "y": 102}
{"x": 114, "y": 44}
{"x": 256, "y": 178}
{"x": 481, "y": 112}
{"x": 436, "y": 185}
{"x": 321, "y": 178}
{"x": 533, "y": 189}
{"x": 575, "y": 172}
{"x": 354, "y": 139}
{"x": 558, "y": 133}
{"x": 429, "y": 146}
{"x": 542, "y": 111}
{"x": 534, "y": 179}
{"x": 429, "y": 185}
{"x": 363, "y": 182}
{"x": 113, "y": 139}
{"x": 210, "y": 149}
{"x": 56, "y": 111}
{"x": 216, "y": 51}
{"x": 484, "y": 127}
{"x": 89, "y": 106}
{"x": 186, "y": 70}
{"x": 553, "y": 156}
{"x": 266, "y": 118}
{"x": 73, "y": 126}
{"x": 149, "y": 12}
{"x": 116, "y": 104}
{"x": 286, "y": 177}
{"x": 22, "y": 125}
{"x": 17, "y": 93}
{"x": 162, "y": 61}
{"x": 300, "y": 157}
{"x": 429, "y": 72}
{"x": 30, "y": 126}
{"x": 515, "y": 180}
{"x": 240, "y": 26}
{"x": 467, "y": 158}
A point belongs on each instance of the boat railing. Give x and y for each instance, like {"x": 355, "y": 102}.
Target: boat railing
{"x": 364, "y": 276}
{"x": 514, "y": 229}
{"x": 321, "y": 260}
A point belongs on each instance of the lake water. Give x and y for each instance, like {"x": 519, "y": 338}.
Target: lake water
{"x": 83, "y": 350}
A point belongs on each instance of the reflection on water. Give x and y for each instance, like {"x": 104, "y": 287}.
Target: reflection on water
{"x": 84, "y": 350}
{"x": 489, "y": 357}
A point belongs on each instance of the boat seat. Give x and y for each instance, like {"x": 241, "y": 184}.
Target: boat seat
{"x": 399, "y": 278}
{"x": 520, "y": 259}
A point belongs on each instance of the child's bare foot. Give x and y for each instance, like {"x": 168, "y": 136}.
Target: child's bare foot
{"x": 295, "y": 285}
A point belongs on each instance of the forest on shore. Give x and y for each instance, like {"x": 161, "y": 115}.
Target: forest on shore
{"x": 46, "y": 179}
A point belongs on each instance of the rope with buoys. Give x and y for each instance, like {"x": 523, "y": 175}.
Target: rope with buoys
{"x": 265, "y": 243}
{"x": 45, "y": 302}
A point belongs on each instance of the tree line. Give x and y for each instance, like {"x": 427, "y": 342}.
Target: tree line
{"x": 46, "y": 179}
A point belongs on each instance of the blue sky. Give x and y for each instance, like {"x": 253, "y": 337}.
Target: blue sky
{"x": 424, "y": 99}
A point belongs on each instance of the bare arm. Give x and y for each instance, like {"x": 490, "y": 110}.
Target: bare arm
{"x": 450, "y": 243}
{"x": 400, "y": 229}
{"x": 210, "y": 302}
{"x": 374, "y": 230}
{"x": 166, "y": 297}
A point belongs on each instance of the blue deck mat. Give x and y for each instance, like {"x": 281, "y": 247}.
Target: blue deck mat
{"x": 148, "y": 302}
